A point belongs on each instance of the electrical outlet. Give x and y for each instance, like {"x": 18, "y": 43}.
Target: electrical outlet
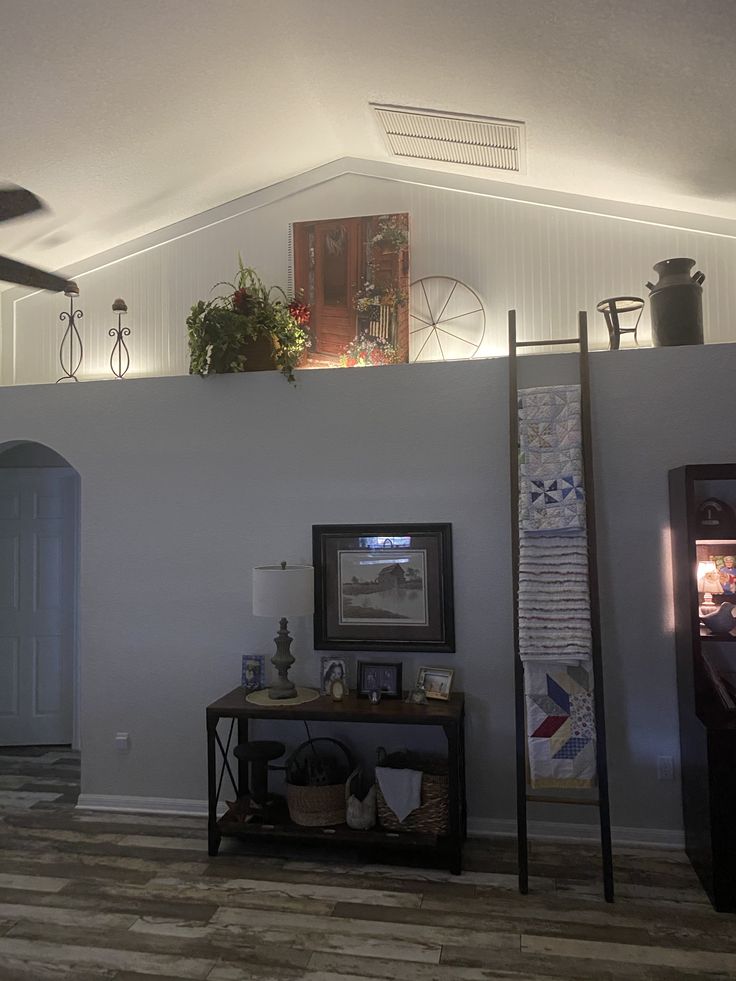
{"x": 665, "y": 768}
{"x": 122, "y": 742}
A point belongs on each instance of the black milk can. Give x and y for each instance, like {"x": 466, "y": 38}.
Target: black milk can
{"x": 676, "y": 303}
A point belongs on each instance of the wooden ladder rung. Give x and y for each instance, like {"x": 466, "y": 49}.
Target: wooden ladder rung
{"x": 565, "y": 340}
{"x": 541, "y": 799}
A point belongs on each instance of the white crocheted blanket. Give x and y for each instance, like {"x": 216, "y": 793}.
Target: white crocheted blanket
{"x": 554, "y": 598}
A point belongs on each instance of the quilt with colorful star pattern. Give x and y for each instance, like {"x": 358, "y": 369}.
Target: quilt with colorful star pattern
{"x": 560, "y": 723}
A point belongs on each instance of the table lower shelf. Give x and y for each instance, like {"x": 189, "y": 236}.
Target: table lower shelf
{"x": 426, "y": 849}
{"x": 340, "y": 833}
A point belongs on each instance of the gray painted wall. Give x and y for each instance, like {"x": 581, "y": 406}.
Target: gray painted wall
{"x": 187, "y": 483}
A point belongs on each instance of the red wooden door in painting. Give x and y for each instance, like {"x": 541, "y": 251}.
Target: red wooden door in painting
{"x": 328, "y": 269}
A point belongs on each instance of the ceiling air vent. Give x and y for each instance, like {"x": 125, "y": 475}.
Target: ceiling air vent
{"x": 448, "y": 137}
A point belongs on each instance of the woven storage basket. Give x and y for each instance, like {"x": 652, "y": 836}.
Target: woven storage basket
{"x": 317, "y": 806}
{"x": 432, "y": 817}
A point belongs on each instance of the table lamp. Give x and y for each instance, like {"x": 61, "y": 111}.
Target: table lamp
{"x": 283, "y": 591}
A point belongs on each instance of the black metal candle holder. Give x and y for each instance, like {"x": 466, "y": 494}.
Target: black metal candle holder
{"x": 71, "y": 341}
{"x": 120, "y": 352}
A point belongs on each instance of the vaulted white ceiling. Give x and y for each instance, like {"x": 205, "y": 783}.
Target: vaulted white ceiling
{"x": 127, "y": 115}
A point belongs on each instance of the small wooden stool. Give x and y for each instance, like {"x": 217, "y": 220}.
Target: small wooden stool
{"x": 611, "y": 309}
{"x": 259, "y": 753}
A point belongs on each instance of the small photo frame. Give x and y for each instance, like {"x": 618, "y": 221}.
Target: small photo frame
{"x": 436, "y": 682}
{"x": 332, "y": 669}
{"x": 381, "y": 677}
{"x": 254, "y": 672}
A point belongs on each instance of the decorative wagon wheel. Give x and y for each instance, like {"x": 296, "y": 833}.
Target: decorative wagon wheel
{"x": 447, "y": 320}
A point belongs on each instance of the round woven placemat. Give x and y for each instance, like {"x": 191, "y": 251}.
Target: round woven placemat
{"x": 302, "y": 695}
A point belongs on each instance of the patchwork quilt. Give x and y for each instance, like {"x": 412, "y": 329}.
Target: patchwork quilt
{"x": 560, "y": 723}
{"x": 551, "y": 495}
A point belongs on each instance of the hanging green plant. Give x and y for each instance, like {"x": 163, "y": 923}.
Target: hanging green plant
{"x": 247, "y": 329}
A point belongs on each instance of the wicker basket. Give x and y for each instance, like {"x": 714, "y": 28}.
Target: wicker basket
{"x": 432, "y": 817}
{"x": 317, "y": 806}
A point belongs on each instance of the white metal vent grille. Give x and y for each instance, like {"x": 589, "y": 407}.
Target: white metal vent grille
{"x": 427, "y": 134}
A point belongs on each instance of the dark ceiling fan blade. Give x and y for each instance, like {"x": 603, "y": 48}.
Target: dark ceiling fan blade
{"x": 17, "y": 201}
{"x": 18, "y": 272}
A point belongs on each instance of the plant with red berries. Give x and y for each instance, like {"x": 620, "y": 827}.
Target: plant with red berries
{"x": 300, "y": 311}
{"x": 222, "y": 330}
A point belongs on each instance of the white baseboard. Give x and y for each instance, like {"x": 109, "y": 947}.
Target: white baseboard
{"x": 145, "y": 805}
{"x": 478, "y": 827}
{"x": 564, "y": 831}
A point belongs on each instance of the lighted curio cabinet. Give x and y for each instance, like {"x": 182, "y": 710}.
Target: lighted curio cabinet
{"x": 702, "y": 509}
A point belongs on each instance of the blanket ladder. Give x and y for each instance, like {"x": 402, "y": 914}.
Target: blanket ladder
{"x": 523, "y": 797}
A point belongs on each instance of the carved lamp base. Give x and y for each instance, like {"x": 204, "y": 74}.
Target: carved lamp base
{"x": 283, "y": 686}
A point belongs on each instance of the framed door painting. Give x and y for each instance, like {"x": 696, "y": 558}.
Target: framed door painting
{"x": 354, "y": 274}
{"x": 384, "y": 587}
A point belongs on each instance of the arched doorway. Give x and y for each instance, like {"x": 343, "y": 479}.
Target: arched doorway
{"x": 39, "y": 560}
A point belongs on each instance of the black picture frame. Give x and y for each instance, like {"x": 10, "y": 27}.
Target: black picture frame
{"x": 365, "y": 601}
{"x": 331, "y": 669}
{"x": 387, "y": 678}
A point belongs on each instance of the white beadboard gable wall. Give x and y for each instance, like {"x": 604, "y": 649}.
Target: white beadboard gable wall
{"x": 547, "y": 261}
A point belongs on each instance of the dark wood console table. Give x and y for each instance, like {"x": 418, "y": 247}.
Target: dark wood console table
{"x": 449, "y": 715}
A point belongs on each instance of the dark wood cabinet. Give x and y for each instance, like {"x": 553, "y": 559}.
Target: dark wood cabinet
{"x": 706, "y": 672}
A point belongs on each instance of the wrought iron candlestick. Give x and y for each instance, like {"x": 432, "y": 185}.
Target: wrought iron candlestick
{"x": 120, "y": 352}
{"x": 69, "y": 358}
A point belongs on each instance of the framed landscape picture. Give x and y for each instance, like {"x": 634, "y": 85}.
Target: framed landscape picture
{"x": 383, "y": 587}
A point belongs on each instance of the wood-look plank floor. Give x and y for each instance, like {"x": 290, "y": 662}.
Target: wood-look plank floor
{"x": 120, "y": 897}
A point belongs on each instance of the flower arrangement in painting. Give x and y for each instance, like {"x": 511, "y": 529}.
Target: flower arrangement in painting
{"x": 300, "y": 311}
{"x": 392, "y": 233}
{"x": 393, "y": 296}
{"x": 366, "y": 351}
{"x": 224, "y": 332}
{"x": 369, "y": 297}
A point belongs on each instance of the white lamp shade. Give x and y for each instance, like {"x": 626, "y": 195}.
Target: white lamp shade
{"x": 283, "y": 592}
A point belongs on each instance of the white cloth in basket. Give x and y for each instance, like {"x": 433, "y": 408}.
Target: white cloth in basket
{"x": 401, "y": 789}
